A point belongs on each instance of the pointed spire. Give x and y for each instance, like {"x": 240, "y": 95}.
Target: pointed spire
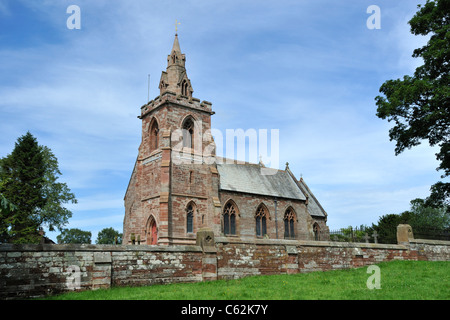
{"x": 175, "y": 79}
{"x": 176, "y": 44}
{"x": 175, "y": 56}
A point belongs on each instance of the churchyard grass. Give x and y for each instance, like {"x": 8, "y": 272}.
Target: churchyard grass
{"x": 399, "y": 280}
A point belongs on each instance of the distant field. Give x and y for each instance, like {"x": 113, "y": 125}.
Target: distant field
{"x": 399, "y": 280}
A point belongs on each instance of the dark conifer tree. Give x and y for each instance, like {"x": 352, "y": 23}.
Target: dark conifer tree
{"x": 22, "y": 173}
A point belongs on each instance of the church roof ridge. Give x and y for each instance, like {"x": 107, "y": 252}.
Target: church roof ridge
{"x": 222, "y": 160}
{"x": 314, "y": 206}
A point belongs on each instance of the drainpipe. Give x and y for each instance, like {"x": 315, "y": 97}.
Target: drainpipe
{"x": 276, "y": 219}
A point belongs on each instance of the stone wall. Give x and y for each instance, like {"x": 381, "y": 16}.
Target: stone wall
{"x": 237, "y": 258}
{"x": 38, "y": 270}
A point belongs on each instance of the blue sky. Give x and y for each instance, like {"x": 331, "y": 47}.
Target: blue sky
{"x": 310, "y": 69}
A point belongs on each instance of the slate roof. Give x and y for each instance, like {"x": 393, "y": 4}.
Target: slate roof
{"x": 314, "y": 207}
{"x": 249, "y": 178}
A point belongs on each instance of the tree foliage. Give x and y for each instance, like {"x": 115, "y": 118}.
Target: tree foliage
{"x": 6, "y": 210}
{"x": 29, "y": 181}
{"x": 22, "y": 173}
{"x": 386, "y": 227}
{"x": 421, "y": 217}
{"x": 428, "y": 217}
{"x": 420, "y": 104}
{"x": 74, "y": 235}
{"x": 54, "y": 214}
{"x": 109, "y": 236}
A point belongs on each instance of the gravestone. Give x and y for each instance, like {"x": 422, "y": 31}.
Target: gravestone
{"x": 375, "y": 236}
{"x": 404, "y": 233}
{"x": 366, "y": 237}
{"x": 205, "y": 239}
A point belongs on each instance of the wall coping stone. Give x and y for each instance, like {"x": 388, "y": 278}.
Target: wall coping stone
{"x": 310, "y": 243}
{"x": 7, "y": 247}
{"x": 426, "y": 241}
{"x": 352, "y": 245}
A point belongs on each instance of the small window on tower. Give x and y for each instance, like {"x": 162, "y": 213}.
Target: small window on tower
{"x": 154, "y": 130}
{"x": 190, "y": 218}
{"x": 188, "y": 133}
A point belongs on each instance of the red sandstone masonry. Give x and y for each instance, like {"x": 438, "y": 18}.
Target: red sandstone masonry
{"x": 38, "y": 270}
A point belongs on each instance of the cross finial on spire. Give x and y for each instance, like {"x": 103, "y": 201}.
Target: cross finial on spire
{"x": 176, "y": 26}
{"x": 261, "y": 163}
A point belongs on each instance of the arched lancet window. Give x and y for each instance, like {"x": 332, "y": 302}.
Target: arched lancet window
{"x": 261, "y": 220}
{"x": 289, "y": 217}
{"x": 188, "y": 133}
{"x": 316, "y": 230}
{"x": 229, "y": 219}
{"x": 190, "y": 218}
{"x": 154, "y": 130}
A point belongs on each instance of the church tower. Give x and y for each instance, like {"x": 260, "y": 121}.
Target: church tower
{"x": 173, "y": 190}
{"x": 177, "y": 187}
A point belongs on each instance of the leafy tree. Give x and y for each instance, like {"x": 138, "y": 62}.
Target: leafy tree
{"x": 421, "y": 217}
{"x": 74, "y": 235}
{"x": 54, "y": 214}
{"x": 439, "y": 197}
{"x": 420, "y": 104}
{"x": 29, "y": 180}
{"x": 109, "y": 236}
{"x": 424, "y": 216}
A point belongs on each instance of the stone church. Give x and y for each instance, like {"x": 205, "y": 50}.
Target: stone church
{"x": 174, "y": 190}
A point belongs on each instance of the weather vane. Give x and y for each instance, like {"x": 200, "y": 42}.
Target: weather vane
{"x": 176, "y": 26}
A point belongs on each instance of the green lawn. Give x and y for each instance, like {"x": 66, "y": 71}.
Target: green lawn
{"x": 400, "y": 280}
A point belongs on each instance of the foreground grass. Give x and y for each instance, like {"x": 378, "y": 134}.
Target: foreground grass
{"x": 400, "y": 280}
